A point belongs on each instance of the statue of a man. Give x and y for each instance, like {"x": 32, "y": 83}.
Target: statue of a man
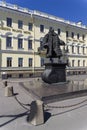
{"x": 52, "y": 43}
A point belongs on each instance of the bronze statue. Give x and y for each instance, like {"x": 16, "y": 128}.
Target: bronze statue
{"x": 52, "y": 43}
{"x": 54, "y": 61}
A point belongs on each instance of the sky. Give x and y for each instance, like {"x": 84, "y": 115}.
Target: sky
{"x": 72, "y": 10}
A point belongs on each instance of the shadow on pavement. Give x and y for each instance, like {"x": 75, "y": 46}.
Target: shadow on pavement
{"x": 14, "y": 117}
{"x": 47, "y": 115}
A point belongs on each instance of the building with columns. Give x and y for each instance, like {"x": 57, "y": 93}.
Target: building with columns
{"x": 21, "y": 31}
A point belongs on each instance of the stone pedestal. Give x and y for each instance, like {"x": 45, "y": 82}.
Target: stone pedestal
{"x": 55, "y": 71}
{"x": 9, "y": 91}
{"x": 36, "y": 116}
{"x": 5, "y": 83}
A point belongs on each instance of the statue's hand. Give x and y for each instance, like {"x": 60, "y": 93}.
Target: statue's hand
{"x": 45, "y": 45}
{"x": 62, "y": 43}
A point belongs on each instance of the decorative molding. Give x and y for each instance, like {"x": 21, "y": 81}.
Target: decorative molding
{"x": 16, "y": 68}
{"x": 8, "y": 33}
{"x": 37, "y": 40}
{"x": 17, "y": 52}
{"x": 21, "y": 69}
{"x": 17, "y": 30}
{"x": 20, "y": 35}
{"x": 5, "y": 28}
{"x": 26, "y": 32}
{"x": 77, "y": 55}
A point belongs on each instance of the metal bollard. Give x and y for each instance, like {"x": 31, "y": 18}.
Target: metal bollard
{"x": 36, "y": 116}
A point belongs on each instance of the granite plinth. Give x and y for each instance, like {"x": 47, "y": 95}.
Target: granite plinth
{"x": 53, "y": 92}
{"x": 55, "y": 71}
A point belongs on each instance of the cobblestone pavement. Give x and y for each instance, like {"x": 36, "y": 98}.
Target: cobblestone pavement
{"x": 68, "y": 114}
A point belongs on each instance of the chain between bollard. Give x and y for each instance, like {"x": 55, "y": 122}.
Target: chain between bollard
{"x": 65, "y": 106}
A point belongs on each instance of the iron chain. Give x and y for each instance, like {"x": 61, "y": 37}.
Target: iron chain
{"x": 65, "y": 106}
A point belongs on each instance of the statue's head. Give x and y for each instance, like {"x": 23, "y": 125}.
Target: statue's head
{"x": 51, "y": 29}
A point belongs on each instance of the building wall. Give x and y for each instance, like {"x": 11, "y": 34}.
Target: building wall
{"x": 37, "y": 19}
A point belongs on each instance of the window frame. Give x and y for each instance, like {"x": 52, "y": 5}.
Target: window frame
{"x": 73, "y": 49}
{"x": 9, "y": 22}
{"x": 30, "y": 26}
{"x": 78, "y": 63}
{"x": 20, "y": 62}
{"x": 78, "y": 36}
{"x": 42, "y": 62}
{"x": 8, "y": 42}
{"x": 29, "y": 44}
{"x": 41, "y": 28}
{"x": 20, "y": 24}
{"x": 30, "y": 62}
{"x": 73, "y": 63}
{"x": 72, "y": 35}
{"x": 67, "y": 34}
{"x": 59, "y": 31}
{"x": 9, "y": 61}
{"x": 20, "y": 43}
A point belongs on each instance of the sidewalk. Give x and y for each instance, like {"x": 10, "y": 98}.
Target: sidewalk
{"x": 71, "y": 114}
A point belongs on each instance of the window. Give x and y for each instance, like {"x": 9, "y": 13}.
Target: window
{"x": 30, "y": 26}
{"x": 67, "y": 49}
{"x": 20, "y": 62}
{"x": 41, "y": 28}
{"x": 42, "y": 61}
{"x": 78, "y": 36}
{"x": 29, "y": 44}
{"x": 20, "y": 43}
{"x": 8, "y": 42}
{"x": 78, "y": 63}
{"x": 30, "y": 62}
{"x": 83, "y": 50}
{"x": 67, "y": 34}
{"x": 9, "y": 22}
{"x": 9, "y": 61}
{"x": 41, "y": 43}
{"x": 73, "y": 62}
{"x": 72, "y": 34}
{"x": 72, "y": 49}
{"x": 78, "y": 49}
{"x": 59, "y": 31}
{"x": 83, "y": 63}
{"x": 83, "y": 37}
{"x": 9, "y": 76}
{"x": 20, "y": 75}
{"x": 20, "y": 24}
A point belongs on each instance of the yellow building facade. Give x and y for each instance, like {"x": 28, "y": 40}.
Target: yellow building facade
{"x": 21, "y": 33}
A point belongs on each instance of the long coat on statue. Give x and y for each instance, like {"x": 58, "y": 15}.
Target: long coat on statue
{"x": 52, "y": 43}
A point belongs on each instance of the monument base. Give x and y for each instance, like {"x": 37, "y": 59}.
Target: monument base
{"x": 55, "y": 71}
{"x": 53, "y": 92}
